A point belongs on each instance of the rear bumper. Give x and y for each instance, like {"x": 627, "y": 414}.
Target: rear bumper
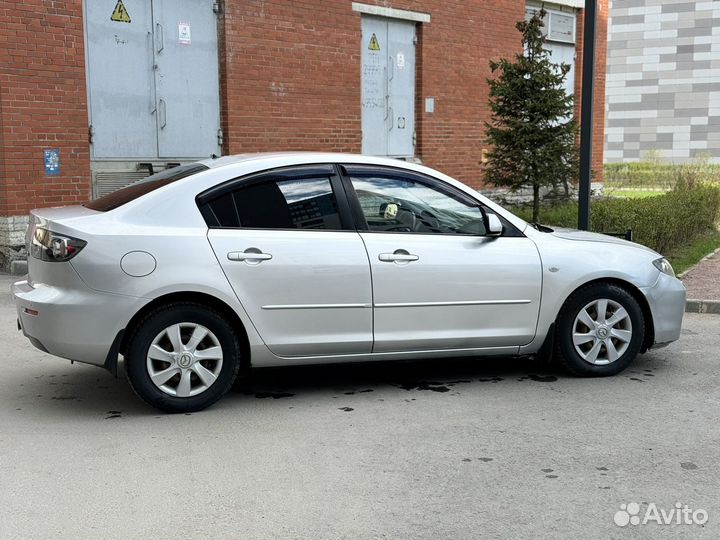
{"x": 75, "y": 323}
{"x": 666, "y": 299}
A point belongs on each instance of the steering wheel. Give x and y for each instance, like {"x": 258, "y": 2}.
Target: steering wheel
{"x": 406, "y": 219}
{"x": 427, "y": 222}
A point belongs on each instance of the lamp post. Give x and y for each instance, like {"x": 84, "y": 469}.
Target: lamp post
{"x": 586, "y": 114}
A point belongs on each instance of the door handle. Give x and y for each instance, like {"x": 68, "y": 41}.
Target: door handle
{"x": 250, "y": 255}
{"x": 387, "y": 92}
{"x": 159, "y": 32}
{"x": 153, "y": 68}
{"x": 399, "y": 256}
{"x": 163, "y": 114}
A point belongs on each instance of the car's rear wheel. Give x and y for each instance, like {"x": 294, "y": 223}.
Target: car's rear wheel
{"x": 182, "y": 357}
{"x": 600, "y": 330}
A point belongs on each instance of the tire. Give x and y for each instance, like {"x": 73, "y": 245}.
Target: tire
{"x": 192, "y": 373}
{"x": 590, "y": 344}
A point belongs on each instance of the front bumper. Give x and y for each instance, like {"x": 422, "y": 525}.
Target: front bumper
{"x": 76, "y": 323}
{"x": 666, "y": 299}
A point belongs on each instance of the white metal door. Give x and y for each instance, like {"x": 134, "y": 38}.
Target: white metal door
{"x": 120, "y": 79}
{"x": 153, "y": 79}
{"x": 401, "y": 89}
{"x": 374, "y": 93}
{"x": 462, "y": 292}
{"x": 188, "y": 93}
{"x": 388, "y": 87}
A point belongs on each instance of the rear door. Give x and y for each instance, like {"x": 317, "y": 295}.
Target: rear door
{"x": 438, "y": 282}
{"x": 286, "y": 244}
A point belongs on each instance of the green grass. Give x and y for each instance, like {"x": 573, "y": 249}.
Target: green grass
{"x": 688, "y": 255}
{"x": 657, "y": 175}
{"x": 633, "y": 193}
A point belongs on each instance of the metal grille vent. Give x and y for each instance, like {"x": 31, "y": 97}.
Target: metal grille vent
{"x": 108, "y": 181}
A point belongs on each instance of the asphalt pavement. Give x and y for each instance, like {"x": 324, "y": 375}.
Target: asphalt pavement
{"x": 436, "y": 449}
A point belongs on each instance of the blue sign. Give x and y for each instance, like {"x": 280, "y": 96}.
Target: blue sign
{"x": 52, "y": 162}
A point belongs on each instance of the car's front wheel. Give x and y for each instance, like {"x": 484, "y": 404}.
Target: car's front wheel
{"x": 182, "y": 357}
{"x": 600, "y": 330}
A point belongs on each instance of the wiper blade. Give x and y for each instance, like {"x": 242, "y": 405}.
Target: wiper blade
{"x": 542, "y": 228}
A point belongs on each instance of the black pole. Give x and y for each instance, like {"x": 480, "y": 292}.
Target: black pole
{"x": 586, "y": 115}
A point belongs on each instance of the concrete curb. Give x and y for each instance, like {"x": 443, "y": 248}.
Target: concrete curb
{"x": 703, "y": 306}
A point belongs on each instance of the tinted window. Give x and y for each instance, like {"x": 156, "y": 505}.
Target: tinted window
{"x": 307, "y": 203}
{"x": 144, "y": 186}
{"x": 402, "y": 205}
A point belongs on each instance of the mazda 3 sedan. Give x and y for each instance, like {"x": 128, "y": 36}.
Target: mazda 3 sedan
{"x": 198, "y": 272}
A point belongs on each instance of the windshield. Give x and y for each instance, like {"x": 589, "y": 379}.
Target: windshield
{"x": 144, "y": 186}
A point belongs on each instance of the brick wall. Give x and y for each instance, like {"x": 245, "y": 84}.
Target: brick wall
{"x": 290, "y": 79}
{"x": 292, "y": 76}
{"x": 43, "y": 104}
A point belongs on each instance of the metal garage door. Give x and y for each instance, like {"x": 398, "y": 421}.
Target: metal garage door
{"x": 153, "y": 79}
{"x": 388, "y": 87}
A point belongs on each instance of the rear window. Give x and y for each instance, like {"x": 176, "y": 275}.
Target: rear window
{"x": 144, "y": 186}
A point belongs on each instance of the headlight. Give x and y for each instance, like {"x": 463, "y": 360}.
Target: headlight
{"x": 664, "y": 266}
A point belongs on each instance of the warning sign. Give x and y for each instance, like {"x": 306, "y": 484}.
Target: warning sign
{"x": 374, "y": 43}
{"x": 184, "y": 35}
{"x": 120, "y": 14}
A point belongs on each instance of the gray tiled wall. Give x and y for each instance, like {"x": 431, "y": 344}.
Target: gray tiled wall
{"x": 663, "y": 80}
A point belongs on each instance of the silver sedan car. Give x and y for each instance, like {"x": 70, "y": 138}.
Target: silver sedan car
{"x": 198, "y": 272}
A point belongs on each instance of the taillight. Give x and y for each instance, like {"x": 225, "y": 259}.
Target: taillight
{"x": 53, "y": 247}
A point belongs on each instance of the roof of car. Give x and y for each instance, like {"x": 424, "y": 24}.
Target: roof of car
{"x": 310, "y": 157}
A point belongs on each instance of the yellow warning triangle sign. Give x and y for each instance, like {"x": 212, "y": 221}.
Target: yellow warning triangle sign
{"x": 120, "y": 14}
{"x": 374, "y": 43}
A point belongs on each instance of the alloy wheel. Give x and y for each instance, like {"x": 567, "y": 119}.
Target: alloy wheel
{"x": 184, "y": 360}
{"x": 602, "y": 332}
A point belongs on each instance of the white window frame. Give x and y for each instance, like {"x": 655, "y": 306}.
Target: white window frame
{"x": 548, "y": 30}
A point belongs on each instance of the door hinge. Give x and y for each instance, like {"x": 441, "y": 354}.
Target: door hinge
{"x": 216, "y": 7}
{"x": 415, "y": 39}
{"x": 220, "y": 137}
{"x": 91, "y": 133}
{"x": 414, "y": 138}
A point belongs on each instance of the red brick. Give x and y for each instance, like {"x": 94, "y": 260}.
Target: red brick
{"x": 310, "y": 48}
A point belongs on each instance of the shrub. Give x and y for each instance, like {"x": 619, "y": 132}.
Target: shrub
{"x": 661, "y": 223}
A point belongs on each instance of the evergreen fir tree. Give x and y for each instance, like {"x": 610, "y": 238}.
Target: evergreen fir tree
{"x": 532, "y": 134}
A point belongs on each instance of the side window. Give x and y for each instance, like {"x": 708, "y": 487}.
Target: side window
{"x": 307, "y": 203}
{"x": 403, "y": 205}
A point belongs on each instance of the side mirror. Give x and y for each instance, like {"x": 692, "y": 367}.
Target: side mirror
{"x": 493, "y": 226}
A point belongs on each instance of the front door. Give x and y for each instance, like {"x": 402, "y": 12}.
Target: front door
{"x": 297, "y": 266}
{"x": 438, "y": 282}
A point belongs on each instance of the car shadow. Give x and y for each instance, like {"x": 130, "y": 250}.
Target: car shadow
{"x": 436, "y": 375}
{"x": 85, "y": 391}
